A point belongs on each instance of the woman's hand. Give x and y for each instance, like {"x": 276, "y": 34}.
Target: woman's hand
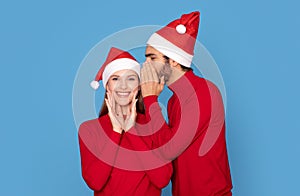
{"x": 131, "y": 114}
{"x": 114, "y": 113}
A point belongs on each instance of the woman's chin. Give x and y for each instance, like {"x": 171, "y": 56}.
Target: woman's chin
{"x": 124, "y": 102}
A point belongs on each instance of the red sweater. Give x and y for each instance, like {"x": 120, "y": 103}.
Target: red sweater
{"x": 100, "y": 153}
{"x": 194, "y": 137}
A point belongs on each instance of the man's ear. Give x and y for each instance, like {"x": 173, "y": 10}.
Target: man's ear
{"x": 174, "y": 64}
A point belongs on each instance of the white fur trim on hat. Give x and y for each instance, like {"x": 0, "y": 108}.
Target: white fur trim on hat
{"x": 170, "y": 50}
{"x": 117, "y": 65}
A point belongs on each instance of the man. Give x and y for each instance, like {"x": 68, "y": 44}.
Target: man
{"x": 194, "y": 138}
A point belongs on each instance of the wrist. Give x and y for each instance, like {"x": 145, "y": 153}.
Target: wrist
{"x": 128, "y": 128}
{"x": 149, "y": 100}
{"x": 118, "y": 130}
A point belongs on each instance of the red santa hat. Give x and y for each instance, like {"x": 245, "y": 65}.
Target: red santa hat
{"x": 178, "y": 38}
{"x": 116, "y": 60}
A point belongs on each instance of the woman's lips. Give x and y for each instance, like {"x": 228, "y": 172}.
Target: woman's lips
{"x": 123, "y": 94}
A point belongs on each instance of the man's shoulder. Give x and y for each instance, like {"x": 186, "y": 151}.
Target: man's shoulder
{"x": 201, "y": 81}
{"x": 204, "y": 86}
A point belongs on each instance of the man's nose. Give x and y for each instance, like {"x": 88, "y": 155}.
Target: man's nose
{"x": 147, "y": 60}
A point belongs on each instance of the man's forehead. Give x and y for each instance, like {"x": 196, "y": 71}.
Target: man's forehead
{"x": 152, "y": 51}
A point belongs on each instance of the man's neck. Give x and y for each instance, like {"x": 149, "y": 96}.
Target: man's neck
{"x": 176, "y": 74}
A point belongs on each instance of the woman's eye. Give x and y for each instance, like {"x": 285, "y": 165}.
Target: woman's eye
{"x": 131, "y": 79}
{"x": 114, "y": 78}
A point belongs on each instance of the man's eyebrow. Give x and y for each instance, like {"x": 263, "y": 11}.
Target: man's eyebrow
{"x": 150, "y": 55}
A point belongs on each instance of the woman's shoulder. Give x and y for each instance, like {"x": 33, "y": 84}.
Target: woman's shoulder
{"x": 94, "y": 123}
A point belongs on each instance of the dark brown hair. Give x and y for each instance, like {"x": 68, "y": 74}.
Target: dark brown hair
{"x": 183, "y": 68}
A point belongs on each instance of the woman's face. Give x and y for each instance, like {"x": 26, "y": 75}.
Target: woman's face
{"x": 123, "y": 84}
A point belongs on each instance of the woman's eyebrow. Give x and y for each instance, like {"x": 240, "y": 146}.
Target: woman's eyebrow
{"x": 132, "y": 75}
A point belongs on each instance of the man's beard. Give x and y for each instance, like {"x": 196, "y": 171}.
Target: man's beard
{"x": 166, "y": 71}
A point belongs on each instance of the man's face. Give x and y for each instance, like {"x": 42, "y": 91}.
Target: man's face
{"x": 153, "y": 55}
{"x": 158, "y": 61}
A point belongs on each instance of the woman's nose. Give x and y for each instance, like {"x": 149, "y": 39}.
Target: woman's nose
{"x": 123, "y": 84}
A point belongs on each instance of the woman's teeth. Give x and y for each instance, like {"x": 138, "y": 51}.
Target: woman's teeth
{"x": 123, "y": 94}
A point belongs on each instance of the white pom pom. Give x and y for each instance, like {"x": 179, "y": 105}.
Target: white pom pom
{"x": 181, "y": 29}
{"x": 94, "y": 84}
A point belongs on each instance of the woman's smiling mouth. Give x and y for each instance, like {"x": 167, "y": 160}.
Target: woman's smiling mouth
{"x": 123, "y": 94}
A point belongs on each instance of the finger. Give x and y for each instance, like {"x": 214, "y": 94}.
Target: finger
{"x": 126, "y": 121}
{"x": 109, "y": 98}
{"x": 144, "y": 75}
{"x": 162, "y": 80}
{"x": 128, "y": 111}
{"x": 134, "y": 95}
{"x": 118, "y": 110}
{"x": 153, "y": 73}
{"x": 107, "y": 89}
{"x": 113, "y": 103}
{"x": 149, "y": 73}
{"x": 132, "y": 116}
{"x": 162, "y": 83}
{"x": 133, "y": 108}
{"x": 108, "y": 106}
{"x": 145, "y": 71}
{"x": 107, "y": 95}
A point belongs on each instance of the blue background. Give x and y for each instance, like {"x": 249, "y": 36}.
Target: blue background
{"x": 42, "y": 43}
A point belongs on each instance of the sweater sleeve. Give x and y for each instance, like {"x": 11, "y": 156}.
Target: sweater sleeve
{"x": 160, "y": 176}
{"x": 203, "y": 134}
{"x": 196, "y": 113}
{"x": 95, "y": 172}
{"x": 142, "y": 146}
{"x": 172, "y": 140}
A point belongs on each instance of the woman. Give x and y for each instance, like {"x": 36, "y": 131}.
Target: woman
{"x": 106, "y": 144}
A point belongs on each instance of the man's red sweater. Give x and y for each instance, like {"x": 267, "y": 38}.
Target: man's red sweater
{"x": 194, "y": 137}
